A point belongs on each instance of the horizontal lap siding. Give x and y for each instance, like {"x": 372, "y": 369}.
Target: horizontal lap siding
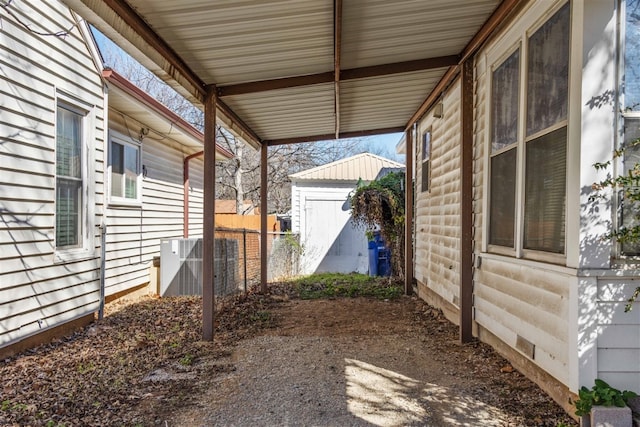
{"x": 35, "y": 292}
{"x": 134, "y": 233}
{"x": 514, "y": 300}
{"x": 196, "y": 197}
{"x": 438, "y": 210}
{"x": 618, "y": 333}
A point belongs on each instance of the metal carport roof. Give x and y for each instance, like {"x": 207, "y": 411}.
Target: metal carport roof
{"x": 301, "y": 70}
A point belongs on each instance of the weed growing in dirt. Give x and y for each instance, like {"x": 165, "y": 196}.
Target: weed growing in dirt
{"x": 186, "y": 360}
{"x": 262, "y": 317}
{"x": 331, "y": 285}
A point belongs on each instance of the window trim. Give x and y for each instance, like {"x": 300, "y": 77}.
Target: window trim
{"x": 87, "y": 217}
{"x": 533, "y": 19}
{"x": 497, "y": 63}
{"x": 426, "y": 159}
{"x": 121, "y": 139}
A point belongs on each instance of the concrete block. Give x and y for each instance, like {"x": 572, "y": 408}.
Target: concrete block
{"x": 605, "y": 416}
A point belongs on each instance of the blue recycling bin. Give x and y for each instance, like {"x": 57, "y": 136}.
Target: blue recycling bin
{"x": 379, "y": 257}
{"x": 373, "y": 258}
{"x": 384, "y": 261}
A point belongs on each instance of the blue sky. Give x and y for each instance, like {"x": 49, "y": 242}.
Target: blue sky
{"x": 386, "y": 145}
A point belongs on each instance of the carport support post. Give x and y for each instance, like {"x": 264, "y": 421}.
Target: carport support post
{"x": 263, "y": 217}
{"x": 208, "y": 220}
{"x": 466, "y": 205}
{"x": 408, "y": 213}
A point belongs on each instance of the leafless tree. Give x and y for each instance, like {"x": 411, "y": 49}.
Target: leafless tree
{"x": 239, "y": 178}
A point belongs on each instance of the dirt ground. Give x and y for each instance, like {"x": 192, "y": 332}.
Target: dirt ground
{"x": 275, "y": 361}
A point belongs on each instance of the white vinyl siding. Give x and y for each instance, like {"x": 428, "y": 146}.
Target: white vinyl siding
{"x": 618, "y": 337}
{"x": 39, "y": 288}
{"x": 522, "y": 299}
{"x": 134, "y": 231}
{"x": 196, "y": 196}
{"x": 438, "y": 210}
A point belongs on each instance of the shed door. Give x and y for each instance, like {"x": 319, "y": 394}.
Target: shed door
{"x": 331, "y": 243}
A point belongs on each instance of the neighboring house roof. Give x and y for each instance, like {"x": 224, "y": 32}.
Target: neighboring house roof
{"x": 152, "y": 114}
{"x": 229, "y": 207}
{"x": 365, "y": 166}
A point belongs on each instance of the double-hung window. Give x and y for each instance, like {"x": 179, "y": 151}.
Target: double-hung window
{"x": 426, "y": 159}
{"x": 70, "y": 177}
{"x": 630, "y": 108}
{"x": 528, "y": 137}
{"x": 504, "y": 148}
{"x": 124, "y": 162}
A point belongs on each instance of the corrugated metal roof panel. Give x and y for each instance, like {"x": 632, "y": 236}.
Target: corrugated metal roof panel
{"x": 384, "y": 101}
{"x": 289, "y": 112}
{"x": 365, "y": 166}
{"x": 232, "y": 41}
{"x": 387, "y": 31}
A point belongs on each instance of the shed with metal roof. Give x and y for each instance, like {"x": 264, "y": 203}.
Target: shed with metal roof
{"x": 321, "y": 213}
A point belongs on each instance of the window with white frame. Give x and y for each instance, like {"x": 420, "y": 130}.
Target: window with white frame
{"x": 426, "y": 159}
{"x": 124, "y": 164}
{"x": 504, "y": 146}
{"x": 70, "y": 170}
{"x": 630, "y": 108}
{"x": 529, "y": 104}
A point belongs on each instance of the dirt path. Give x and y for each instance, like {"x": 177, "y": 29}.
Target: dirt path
{"x": 275, "y": 361}
{"x": 363, "y": 362}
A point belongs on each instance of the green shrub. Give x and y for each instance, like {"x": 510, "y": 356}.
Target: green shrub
{"x": 601, "y": 394}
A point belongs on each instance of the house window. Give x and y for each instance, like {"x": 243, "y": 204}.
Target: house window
{"x": 628, "y": 209}
{"x": 69, "y": 177}
{"x": 630, "y": 107}
{"x": 529, "y": 119}
{"x": 124, "y": 161}
{"x": 504, "y": 137}
{"x": 631, "y": 66}
{"x": 426, "y": 156}
{"x": 546, "y": 135}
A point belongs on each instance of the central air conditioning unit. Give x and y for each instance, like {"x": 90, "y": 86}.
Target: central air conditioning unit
{"x": 181, "y": 267}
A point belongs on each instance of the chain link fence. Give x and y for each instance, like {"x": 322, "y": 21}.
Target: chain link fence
{"x": 236, "y": 262}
